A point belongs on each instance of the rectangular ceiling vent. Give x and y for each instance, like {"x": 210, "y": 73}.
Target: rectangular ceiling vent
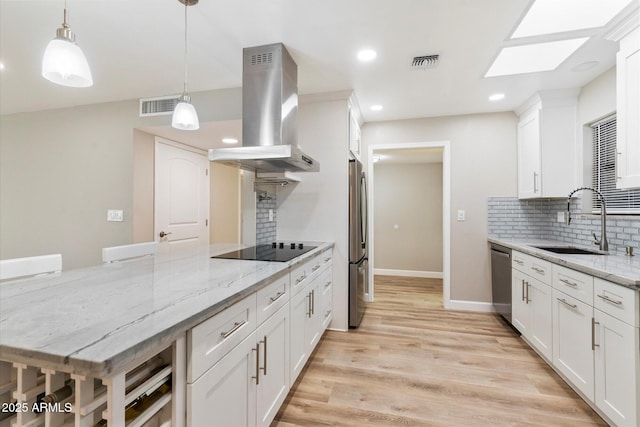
{"x": 425, "y": 62}
{"x": 160, "y": 106}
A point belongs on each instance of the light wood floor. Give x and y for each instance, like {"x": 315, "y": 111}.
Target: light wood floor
{"x": 413, "y": 363}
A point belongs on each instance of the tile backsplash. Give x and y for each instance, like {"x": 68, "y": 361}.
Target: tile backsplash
{"x": 509, "y": 217}
{"x": 265, "y": 229}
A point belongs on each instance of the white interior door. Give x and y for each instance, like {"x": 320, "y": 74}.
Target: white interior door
{"x": 181, "y": 198}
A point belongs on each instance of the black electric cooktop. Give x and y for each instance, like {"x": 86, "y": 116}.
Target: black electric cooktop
{"x": 271, "y": 252}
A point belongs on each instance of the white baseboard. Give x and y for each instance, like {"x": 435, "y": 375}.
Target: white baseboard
{"x": 408, "y": 273}
{"x": 483, "y": 307}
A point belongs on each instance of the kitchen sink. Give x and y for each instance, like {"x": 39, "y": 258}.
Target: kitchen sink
{"x": 569, "y": 250}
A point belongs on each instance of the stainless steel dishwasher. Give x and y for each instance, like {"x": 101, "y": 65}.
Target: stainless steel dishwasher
{"x": 501, "y": 280}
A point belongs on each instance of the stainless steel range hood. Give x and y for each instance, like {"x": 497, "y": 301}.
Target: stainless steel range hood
{"x": 269, "y": 115}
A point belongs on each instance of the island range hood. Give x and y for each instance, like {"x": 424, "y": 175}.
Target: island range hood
{"x": 269, "y": 115}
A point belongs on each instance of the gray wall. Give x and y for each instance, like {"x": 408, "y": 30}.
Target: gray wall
{"x": 483, "y": 153}
{"x": 408, "y": 196}
{"x": 60, "y": 170}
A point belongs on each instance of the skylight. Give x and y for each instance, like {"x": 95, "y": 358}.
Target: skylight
{"x": 533, "y": 57}
{"x": 558, "y": 16}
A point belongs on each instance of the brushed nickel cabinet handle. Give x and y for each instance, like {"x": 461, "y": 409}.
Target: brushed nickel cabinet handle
{"x": 276, "y": 297}
{"x": 257, "y": 350}
{"x": 528, "y": 286}
{"x": 301, "y": 278}
{"x": 309, "y": 305}
{"x": 315, "y": 268}
{"x": 236, "y": 326}
{"x": 562, "y": 300}
{"x": 538, "y": 270}
{"x": 593, "y": 334}
{"x": 326, "y": 285}
{"x": 566, "y": 282}
{"x": 519, "y": 261}
{"x": 264, "y": 352}
{"x": 522, "y": 289}
{"x": 607, "y": 299}
{"x": 313, "y": 301}
{"x": 327, "y": 259}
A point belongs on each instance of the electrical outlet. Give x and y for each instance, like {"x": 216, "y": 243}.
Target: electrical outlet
{"x": 461, "y": 214}
{"x": 115, "y": 215}
{"x": 270, "y": 214}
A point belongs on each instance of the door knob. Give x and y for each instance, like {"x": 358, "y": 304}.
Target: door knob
{"x": 163, "y": 234}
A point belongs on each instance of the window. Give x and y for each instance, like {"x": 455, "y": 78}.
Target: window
{"x": 604, "y": 171}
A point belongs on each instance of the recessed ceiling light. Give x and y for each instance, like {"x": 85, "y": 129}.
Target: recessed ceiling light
{"x": 367, "y": 55}
{"x": 585, "y": 66}
{"x": 496, "y": 97}
{"x": 532, "y": 58}
{"x": 553, "y": 16}
{"x": 1, "y": 66}
{"x": 229, "y": 140}
{"x": 376, "y": 107}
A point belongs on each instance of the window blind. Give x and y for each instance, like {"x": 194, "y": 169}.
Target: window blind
{"x": 604, "y": 171}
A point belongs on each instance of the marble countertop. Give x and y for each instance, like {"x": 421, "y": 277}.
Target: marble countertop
{"x": 97, "y": 320}
{"x": 616, "y": 268}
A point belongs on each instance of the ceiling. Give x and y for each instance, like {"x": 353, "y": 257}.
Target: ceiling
{"x": 135, "y": 50}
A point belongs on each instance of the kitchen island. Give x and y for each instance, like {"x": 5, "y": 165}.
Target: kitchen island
{"x": 102, "y": 322}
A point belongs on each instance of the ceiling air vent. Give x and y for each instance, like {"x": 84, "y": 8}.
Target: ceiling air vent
{"x": 262, "y": 58}
{"x": 160, "y": 106}
{"x": 425, "y": 62}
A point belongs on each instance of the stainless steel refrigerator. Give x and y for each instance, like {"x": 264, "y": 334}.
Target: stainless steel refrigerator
{"x": 358, "y": 260}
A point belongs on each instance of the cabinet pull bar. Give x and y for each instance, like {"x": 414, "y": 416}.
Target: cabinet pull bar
{"x": 315, "y": 268}
{"x": 236, "y": 326}
{"x": 519, "y": 261}
{"x": 562, "y": 300}
{"x": 528, "y": 286}
{"x": 309, "y": 305}
{"x": 607, "y": 299}
{"x": 301, "y": 278}
{"x": 566, "y": 282}
{"x": 264, "y": 352}
{"x": 593, "y": 333}
{"x": 536, "y": 269}
{"x": 327, "y": 259}
{"x": 326, "y": 285}
{"x": 313, "y": 301}
{"x": 277, "y": 297}
{"x": 522, "y": 289}
{"x": 257, "y": 350}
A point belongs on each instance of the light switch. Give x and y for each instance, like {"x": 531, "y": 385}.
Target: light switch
{"x": 460, "y": 215}
{"x": 115, "y": 215}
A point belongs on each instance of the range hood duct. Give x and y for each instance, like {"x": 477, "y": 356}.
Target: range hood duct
{"x": 269, "y": 115}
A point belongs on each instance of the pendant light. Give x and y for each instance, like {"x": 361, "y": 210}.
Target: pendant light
{"x": 185, "y": 116}
{"x": 63, "y": 62}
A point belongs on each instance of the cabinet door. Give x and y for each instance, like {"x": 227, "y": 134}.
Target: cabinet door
{"x": 519, "y": 309}
{"x": 313, "y": 325}
{"x": 616, "y": 369}
{"x": 572, "y": 341}
{"x": 273, "y": 337}
{"x": 540, "y": 317}
{"x": 225, "y": 395}
{"x": 628, "y": 105}
{"x": 299, "y": 310}
{"x": 529, "y": 155}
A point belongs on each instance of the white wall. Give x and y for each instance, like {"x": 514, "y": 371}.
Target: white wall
{"x": 483, "y": 164}
{"x": 408, "y": 217}
{"x": 60, "y": 170}
{"x": 317, "y": 207}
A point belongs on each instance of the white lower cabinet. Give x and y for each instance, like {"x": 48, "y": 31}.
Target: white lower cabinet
{"x": 531, "y": 311}
{"x": 225, "y": 395}
{"x": 616, "y": 369}
{"x": 306, "y": 327}
{"x": 572, "y": 341}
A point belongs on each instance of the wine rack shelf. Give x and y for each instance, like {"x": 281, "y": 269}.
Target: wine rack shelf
{"x": 149, "y": 393}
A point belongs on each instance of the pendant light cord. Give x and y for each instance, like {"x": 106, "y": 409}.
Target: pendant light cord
{"x": 185, "y": 46}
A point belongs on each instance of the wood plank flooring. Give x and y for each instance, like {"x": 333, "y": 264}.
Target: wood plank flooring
{"x": 412, "y": 363}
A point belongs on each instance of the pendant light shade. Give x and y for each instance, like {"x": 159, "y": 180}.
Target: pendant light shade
{"x": 63, "y": 62}
{"x": 185, "y": 116}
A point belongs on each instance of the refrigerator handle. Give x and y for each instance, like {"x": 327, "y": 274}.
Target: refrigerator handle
{"x": 363, "y": 211}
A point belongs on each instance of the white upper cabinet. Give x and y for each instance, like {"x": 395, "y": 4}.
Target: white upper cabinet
{"x": 628, "y": 104}
{"x": 547, "y": 145}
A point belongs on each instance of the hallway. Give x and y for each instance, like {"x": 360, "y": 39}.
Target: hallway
{"x": 413, "y": 363}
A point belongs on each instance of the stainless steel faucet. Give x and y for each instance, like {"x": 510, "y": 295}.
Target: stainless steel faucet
{"x": 602, "y": 243}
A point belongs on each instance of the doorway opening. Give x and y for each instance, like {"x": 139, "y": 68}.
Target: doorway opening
{"x": 421, "y": 159}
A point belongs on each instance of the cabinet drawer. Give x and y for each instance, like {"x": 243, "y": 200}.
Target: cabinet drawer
{"x": 272, "y": 297}
{"x": 301, "y": 275}
{"x": 215, "y": 337}
{"x": 573, "y": 283}
{"x": 534, "y": 267}
{"x": 616, "y": 300}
